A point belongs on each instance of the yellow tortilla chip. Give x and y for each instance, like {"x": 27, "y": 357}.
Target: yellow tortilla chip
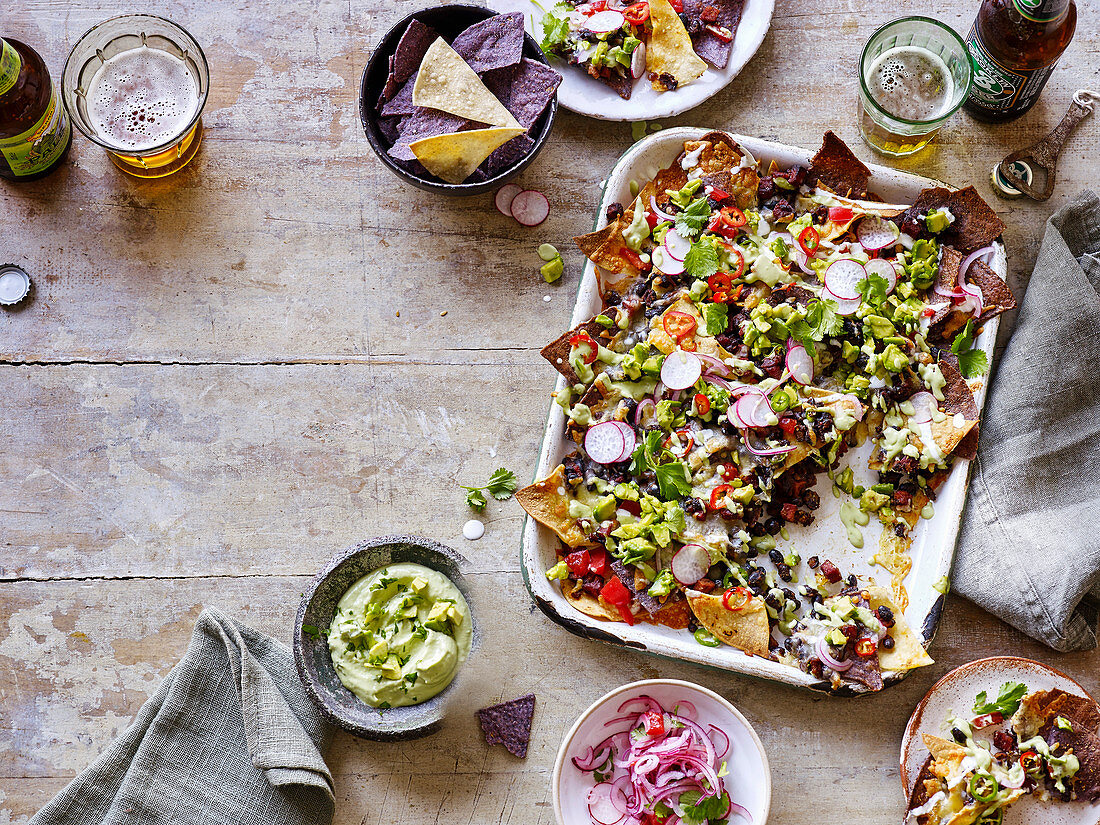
{"x": 945, "y": 434}
{"x": 446, "y": 81}
{"x": 454, "y": 157}
{"x": 547, "y": 502}
{"x": 893, "y": 555}
{"x": 746, "y": 629}
{"x": 669, "y": 49}
{"x": 907, "y": 652}
{"x": 589, "y": 605}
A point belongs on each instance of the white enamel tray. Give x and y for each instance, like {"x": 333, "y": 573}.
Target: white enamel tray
{"x": 934, "y": 539}
{"x": 587, "y": 96}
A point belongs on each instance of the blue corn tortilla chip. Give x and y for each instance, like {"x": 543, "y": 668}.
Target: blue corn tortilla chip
{"x": 423, "y": 123}
{"x": 508, "y": 155}
{"x": 725, "y": 13}
{"x": 389, "y": 127}
{"x": 493, "y": 43}
{"x": 509, "y": 724}
{"x": 525, "y": 89}
{"x": 406, "y": 58}
{"x": 402, "y": 102}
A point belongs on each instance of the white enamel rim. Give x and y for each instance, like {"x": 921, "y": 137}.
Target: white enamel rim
{"x": 587, "y": 96}
{"x": 638, "y": 688}
{"x": 934, "y": 544}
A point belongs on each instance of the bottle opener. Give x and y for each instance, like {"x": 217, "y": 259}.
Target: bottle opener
{"x": 1043, "y": 156}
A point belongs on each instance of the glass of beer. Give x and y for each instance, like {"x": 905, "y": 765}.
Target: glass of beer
{"x": 136, "y": 86}
{"x": 914, "y": 74}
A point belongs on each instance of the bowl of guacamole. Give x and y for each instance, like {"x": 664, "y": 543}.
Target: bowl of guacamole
{"x": 383, "y": 633}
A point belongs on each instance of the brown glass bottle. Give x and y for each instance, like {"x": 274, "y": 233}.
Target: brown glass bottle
{"x": 35, "y": 133}
{"x": 1013, "y": 47}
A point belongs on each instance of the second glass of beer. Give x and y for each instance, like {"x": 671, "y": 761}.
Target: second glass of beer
{"x": 914, "y": 74}
{"x": 136, "y": 85}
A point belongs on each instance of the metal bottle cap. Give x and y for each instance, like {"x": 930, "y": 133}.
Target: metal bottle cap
{"x": 15, "y": 285}
{"x": 1001, "y": 185}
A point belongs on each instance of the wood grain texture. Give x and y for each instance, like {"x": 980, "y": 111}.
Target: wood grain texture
{"x": 225, "y": 377}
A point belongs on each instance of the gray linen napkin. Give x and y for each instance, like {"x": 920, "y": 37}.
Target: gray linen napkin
{"x": 1029, "y": 550}
{"x": 229, "y": 738}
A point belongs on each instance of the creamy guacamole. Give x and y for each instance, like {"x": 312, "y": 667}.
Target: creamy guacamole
{"x": 399, "y": 635}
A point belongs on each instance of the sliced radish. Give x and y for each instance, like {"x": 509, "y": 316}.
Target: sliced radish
{"x": 800, "y": 364}
{"x": 924, "y": 405}
{"x": 677, "y": 245}
{"x": 691, "y": 563}
{"x": 604, "y": 443}
{"x": 505, "y": 195}
{"x": 530, "y": 207}
{"x": 630, "y": 440}
{"x": 637, "y": 61}
{"x": 843, "y": 276}
{"x": 665, "y": 262}
{"x": 600, "y": 807}
{"x": 884, "y": 269}
{"x": 754, "y": 410}
{"x": 845, "y": 306}
{"x": 875, "y": 232}
{"x": 605, "y": 22}
{"x": 681, "y": 370}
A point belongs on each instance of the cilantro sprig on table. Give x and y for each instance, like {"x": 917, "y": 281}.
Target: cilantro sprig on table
{"x": 972, "y": 361}
{"x": 672, "y": 476}
{"x": 502, "y": 483}
{"x": 1006, "y": 703}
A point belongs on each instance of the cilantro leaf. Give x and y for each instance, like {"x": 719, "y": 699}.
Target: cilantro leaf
{"x": 690, "y": 221}
{"x": 555, "y": 31}
{"x": 476, "y": 499}
{"x": 1007, "y": 703}
{"x": 717, "y": 316}
{"x": 821, "y": 322}
{"x": 972, "y": 361}
{"x": 701, "y": 260}
{"x": 873, "y": 288}
{"x": 313, "y": 631}
{"x": 673, "y": 480}
{"x": 502, "y": 484}
{"x": 641, "y": 459}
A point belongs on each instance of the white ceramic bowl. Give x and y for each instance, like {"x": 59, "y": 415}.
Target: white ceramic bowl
{"x": 749, "y": 780}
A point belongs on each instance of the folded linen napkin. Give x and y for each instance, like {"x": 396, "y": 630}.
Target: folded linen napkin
{"x": 229, "y": 738}
{"x": 1029, "y": 549}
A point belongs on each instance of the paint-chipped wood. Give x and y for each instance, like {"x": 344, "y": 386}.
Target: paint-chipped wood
{"x": 227, "y": 376}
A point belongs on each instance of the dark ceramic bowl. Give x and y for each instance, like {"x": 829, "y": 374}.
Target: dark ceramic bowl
{"x": 448, "y": 21}
{"x": 336, "y": 703}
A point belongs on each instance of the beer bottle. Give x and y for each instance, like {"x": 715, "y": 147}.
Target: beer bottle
{"x": 1013, "y": 47}
{"x": 35, "y": 133}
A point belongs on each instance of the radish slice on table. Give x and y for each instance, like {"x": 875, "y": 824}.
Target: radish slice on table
{"x": 875, "y": 232}
{"x": 630, "y": 441}
{"x": 800, "y": 364}
{"x": 884, "y": 269}
{"x": 845, "y": 306}
{"x": 600, "y": 808}
{"x": 604, "y": 443}
{"x": 924, "y": 405}
{"x": 843, "y": 276}
{"x": 681, "y": 370}
{"x": 604, "y": 22}
{"x": 691, "y": 563}
{"x": 530, "y": 207}
{"x": 505, "y": 195}
{"x": 677, "y": 245}
{"x": 637, "y": 61}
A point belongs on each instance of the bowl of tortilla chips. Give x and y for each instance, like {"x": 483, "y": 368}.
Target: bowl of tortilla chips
{"x": 458, "y": 99}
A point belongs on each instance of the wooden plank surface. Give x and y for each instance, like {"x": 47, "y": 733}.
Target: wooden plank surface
{"x": 227, "y": 376}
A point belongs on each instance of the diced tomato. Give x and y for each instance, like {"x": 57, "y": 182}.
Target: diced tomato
{"x": 840, "y": 214}
{"x": 736, "y": 598}
{"x": 615, "y": 592}
{"x": 789, "y": 425}
{"x": 702, "y": 404}
{"x": 789, "y": 511}
{"x": 679, "y": 324}
{"x": 677, "y": 6}
{"x": 624, "y": 611}
{"x": 809, "y": 240}
{"x": 578, "y": 563}
{"x": 717, "y": 494}
{"x": 631, "y": 507}
{"x": 987, "y": 719}
{"x": 637, "y": 13}
{"x": 582, "y": 338}
{"x": 652, "y": 219}
{"x": 598, "y": 561}
{"x": 654, "y": 722}
{"x": 719, "y": 194}
{"x": 866, "y": 647}
{"x": 634, "y": 259}
{"x": 928, "y": 312}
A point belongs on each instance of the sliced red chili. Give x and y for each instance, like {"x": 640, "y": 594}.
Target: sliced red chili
{"x": 654, "y": 722}
{"x": 866, "y": 647}
{"x": 810, "y": 241}
{"x": 721, "y": 297}
{"x": 730, "y": 472}
{"x": 688, "y": 344}
{"x": 1030, "y": 761}
{"x": 615, "y": 592}
{"x": 727, "y": 221}
{"x": 598, "y": 561}
{"x": 582, "y": 338}
{"x": 736, "y": 598}
{"x": 578, "y": 562}
{"x": 718, "y": 493}
{"x": 679, "y": 324}
{"x": 702, "y": 403}
{"x": 739, "y": 264}
{"x": 687, "y": 441}
{"x": 720, "y": 282}
{"x": 721, "y": 32}
{"x": 637, "y": 13}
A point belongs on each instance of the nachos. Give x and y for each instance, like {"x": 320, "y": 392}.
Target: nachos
{"x": 670, "y": 42}
{"x": 1043, "y": 743}
{"x": 757, "y": 323}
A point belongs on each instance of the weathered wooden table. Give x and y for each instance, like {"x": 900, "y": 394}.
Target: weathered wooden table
{"x": 227, "y": 376}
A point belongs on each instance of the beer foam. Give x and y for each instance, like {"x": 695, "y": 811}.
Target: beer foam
{"x": 911, "y": 82}
{"x": 142, "y": 98}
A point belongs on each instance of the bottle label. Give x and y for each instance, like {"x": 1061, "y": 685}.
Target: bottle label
{"x": 10, "y": 65}
{"x": 997, "y": 88}
{"x": 36, "y": 149}
{"x": 1040, "y": 11}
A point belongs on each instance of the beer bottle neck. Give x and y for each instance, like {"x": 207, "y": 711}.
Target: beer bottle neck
{"x": 10, "y": 66}
{"x": 1041, "y": 11}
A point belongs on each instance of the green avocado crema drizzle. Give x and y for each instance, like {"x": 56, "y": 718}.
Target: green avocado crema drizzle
{"x": 852, "y": 516}
{"x": 400, "y": 635}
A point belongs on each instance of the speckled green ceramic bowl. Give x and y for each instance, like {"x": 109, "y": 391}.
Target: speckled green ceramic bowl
{"x": 336, "y": 703}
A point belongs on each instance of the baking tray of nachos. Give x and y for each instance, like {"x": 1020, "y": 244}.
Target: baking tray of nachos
{"x": 741, "y": 480}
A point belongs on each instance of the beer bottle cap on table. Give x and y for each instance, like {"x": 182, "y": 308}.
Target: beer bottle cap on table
{"x": 15, "y": 285}
{"x": 1002, "y": 187}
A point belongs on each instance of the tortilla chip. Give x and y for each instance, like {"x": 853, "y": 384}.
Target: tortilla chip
{"x": 402, "y": 102}
{"x": 557, "y": 351}
{"x": 424, "y": 123}
{"x": 547, "y": 502}
{"x": 893, "y": 555}
{"x": 925, "y": 786}
{"x": 713, "y": 49}
{"x": 837, "y": 167}
{"x": 976, "y": 224}
{"x": 525, "y": 89}
{"x": 674, "y": 613}
{"x": 996, "y": 295}
{"x": 591, "y": 606}
{"x": 493, "y": 43}
{"x": 455, "y": 156}
{"x": 508, "y": 155}
{"x": 746, "y": 629}
{"x": 946, "y": 755}
{"x": 509, "y": 724}
{"x": 669, "y": 49}
{"x": 407, "y": 57}
{"x": 446, "y": 82}
{"x": 958, "y": 398}
{"x": 907, "y": 653}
